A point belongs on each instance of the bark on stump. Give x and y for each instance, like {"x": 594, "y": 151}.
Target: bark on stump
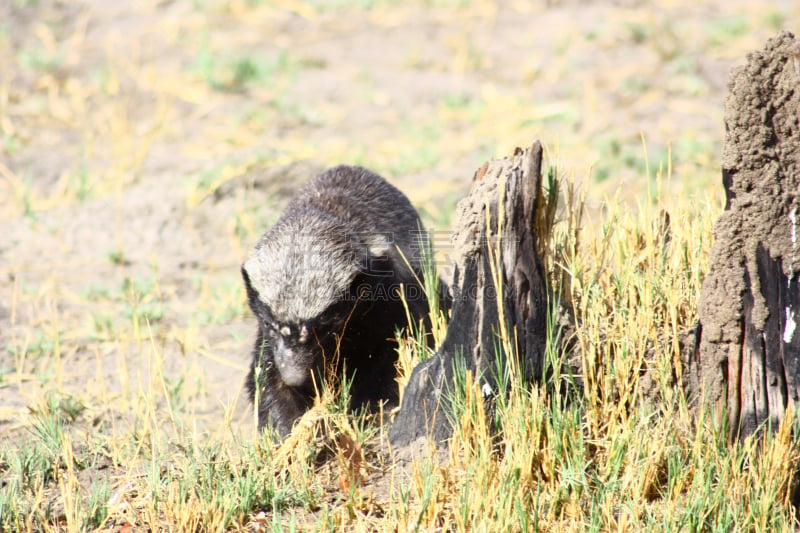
{"x": 747, "y": 352}
{"x": 509, "y": 189}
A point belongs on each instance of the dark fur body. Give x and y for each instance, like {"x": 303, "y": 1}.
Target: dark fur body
{"x": 323, "y": 283}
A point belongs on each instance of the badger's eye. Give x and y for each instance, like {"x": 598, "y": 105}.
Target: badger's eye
{"x": 286, "y": 331}
{"x": 303, "y": 337}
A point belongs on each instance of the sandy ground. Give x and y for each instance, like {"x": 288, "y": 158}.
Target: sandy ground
{"x": 146, "y": 145}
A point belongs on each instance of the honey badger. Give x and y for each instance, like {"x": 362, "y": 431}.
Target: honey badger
{"x": 323, "y": 283}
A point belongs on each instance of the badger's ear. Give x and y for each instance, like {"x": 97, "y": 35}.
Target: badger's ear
{"x": 252, "y": 295}
{"x": 378, "y": 266}
{"x": 259, "y": 308}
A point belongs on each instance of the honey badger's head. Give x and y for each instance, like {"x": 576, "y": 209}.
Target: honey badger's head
{"x": 302, "y": 281}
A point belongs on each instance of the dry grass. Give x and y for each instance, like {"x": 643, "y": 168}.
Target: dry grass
{"x": 131, "y": 149}
{"x": 627, "y": 455}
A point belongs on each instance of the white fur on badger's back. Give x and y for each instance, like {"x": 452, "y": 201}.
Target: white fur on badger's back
{"x": 321, "y": 241}
{"x": 370, "y": 206}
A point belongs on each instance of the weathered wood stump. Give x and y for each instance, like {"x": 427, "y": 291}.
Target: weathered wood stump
{"x": 747, "y": 355}
{"x": 498, "y": 292}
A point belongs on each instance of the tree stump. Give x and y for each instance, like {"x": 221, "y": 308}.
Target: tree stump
{"x": 747, "y": 352}
{"x": 498, "y": 292}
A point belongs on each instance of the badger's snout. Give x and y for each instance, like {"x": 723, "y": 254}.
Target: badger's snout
{"x": 294, "y": 365}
